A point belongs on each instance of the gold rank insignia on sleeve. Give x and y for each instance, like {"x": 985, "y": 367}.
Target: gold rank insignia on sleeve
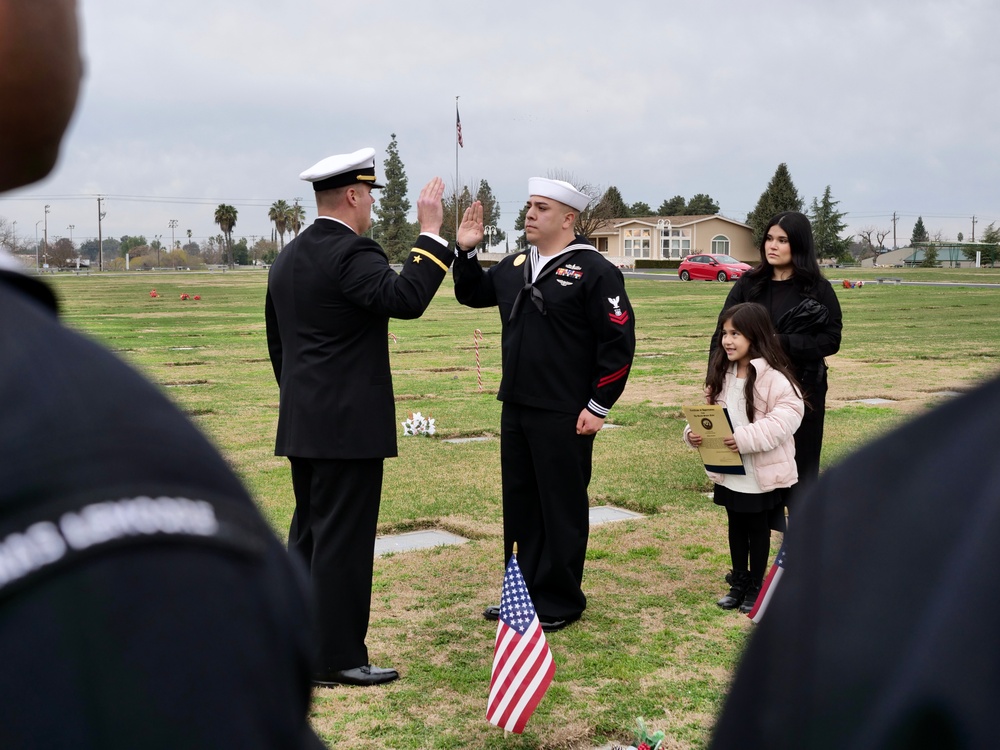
{"x": 418, "y": 255}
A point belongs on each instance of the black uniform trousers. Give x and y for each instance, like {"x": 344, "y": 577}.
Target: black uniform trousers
{"x": 546, "y": 469}
{"x": 333, "y": 530}
{"x": 809, "y": 441}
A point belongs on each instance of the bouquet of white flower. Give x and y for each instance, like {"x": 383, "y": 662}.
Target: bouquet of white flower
{"x": 418, "y": 424}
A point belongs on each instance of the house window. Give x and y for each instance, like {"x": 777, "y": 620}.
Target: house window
{"x": 675, "y": 243}
{"x": 720, "y": 244}
{"x": 637, "y": 243}
{"x": 602, "y": 245}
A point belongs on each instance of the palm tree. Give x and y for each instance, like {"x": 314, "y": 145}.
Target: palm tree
{"x": 279, "y": 215}
{"x": 225, "y": 217}
{"x": 296, "y": 217}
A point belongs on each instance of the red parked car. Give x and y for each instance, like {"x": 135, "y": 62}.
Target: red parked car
{"x": 712, "y": 267}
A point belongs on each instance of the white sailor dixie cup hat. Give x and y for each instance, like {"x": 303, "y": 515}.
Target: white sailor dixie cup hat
{"x": 342, "y": 170}
{"x": 558, "y": 190}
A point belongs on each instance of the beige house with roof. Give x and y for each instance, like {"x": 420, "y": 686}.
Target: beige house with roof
{"x": 624, "y": 241}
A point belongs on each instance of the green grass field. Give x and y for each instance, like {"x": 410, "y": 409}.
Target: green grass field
{"x": 652, "y": 642}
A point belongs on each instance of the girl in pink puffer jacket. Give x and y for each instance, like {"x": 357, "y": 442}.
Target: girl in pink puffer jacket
{"x": 751, "y": 376}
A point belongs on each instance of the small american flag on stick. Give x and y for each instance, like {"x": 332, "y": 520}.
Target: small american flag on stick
{"x": 522, "y": 663}
{"x": 770, "y": 586}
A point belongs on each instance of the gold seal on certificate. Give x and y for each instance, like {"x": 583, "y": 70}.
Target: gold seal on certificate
{"x": 712, "y": 422}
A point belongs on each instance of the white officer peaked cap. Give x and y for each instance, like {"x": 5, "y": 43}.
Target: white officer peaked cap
{"x": 558, "y": 190}
{"x": 342, "y": 170}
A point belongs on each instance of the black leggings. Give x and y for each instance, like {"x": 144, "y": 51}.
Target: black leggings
{"x": 749, "y": 538}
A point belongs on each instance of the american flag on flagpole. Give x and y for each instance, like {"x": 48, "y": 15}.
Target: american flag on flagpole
{"x": 458, "y": 127}
{"x": 522, "y": 663}
{"x": 770, "y": 586}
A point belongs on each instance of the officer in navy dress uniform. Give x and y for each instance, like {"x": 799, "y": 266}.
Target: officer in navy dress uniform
{"x": 330, "y": 295}
{"x": 144, "y": 601}
{"x": 567, "y": 346}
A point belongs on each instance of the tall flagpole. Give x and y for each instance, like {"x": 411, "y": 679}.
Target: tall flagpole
{"x": 458, "y": 140}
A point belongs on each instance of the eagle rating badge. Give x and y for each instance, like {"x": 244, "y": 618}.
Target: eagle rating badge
{"x": 617, "y": 315}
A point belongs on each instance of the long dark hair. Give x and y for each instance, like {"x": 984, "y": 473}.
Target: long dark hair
{"x": 754, "y": 322}
{"x": 800, "y": 240}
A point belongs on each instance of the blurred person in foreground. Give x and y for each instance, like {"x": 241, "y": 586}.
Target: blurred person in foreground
{"x": 882, "y": 633}
{"x": 144, "y": 601}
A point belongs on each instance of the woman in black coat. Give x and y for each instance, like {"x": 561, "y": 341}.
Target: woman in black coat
{"x": 806, "y": 313}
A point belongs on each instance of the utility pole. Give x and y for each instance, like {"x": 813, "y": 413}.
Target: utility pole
{"x": 973, "y": 228}
{"x": 894, "y": 220}
{"x": 100, "y": 238}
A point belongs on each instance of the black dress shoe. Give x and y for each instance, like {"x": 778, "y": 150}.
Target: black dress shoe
{"x": 552, "y": 624}
{"x": 492, "y": 613}
{"x": 750, "y": 598}
{"x": 364, "y": 676}
{"x": 737, "y": 592}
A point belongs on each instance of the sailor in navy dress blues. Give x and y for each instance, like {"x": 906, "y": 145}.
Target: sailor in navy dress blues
{"x": 567, "y": 345}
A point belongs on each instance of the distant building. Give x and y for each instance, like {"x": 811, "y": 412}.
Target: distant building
{"x": 623, "y": 241}
{"x": 673, "y": 238}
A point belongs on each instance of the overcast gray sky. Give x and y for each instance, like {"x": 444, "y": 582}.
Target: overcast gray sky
{"x": 190, "y": 103}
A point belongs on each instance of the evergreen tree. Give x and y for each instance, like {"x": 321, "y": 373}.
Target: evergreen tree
{"x": 919, "y": 232}
{"x": 241, "y": 253}
{"x": 127, "y": 243}
{"x": 491, "y": 214}
{"x": 522, "y": 239}
{"x": 394, "y": 232}
{"x": 701, "y": 205}
{"x": 988, "y": 246}
{"x": 612, "y": 205}
{"x": 930, "y": 257}
{"x": 779, "y": 196}
{"x": 451, "y": 210}
{"x": 673, "y": 207}
{"x": 827, "y": 225}
{"x": 640, "y": 208}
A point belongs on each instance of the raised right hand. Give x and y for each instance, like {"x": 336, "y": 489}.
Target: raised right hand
{"x": 470, "y": 231}
{"x": 430, "y": 209}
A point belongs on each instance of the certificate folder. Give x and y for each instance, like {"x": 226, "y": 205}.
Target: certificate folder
{"x": 711, "y": 421}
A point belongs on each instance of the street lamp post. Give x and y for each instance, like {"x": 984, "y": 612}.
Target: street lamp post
{"x": 158, "y": 250}
{"x": 71, "y": 247}
{"x": 45, "y": 252}
{"x": 490, "y": 231}
{"x": 36, "y": 244}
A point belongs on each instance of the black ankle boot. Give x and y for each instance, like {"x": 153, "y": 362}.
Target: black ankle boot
{"x": 737, "y": 591}
{"x": 750, "y": 597}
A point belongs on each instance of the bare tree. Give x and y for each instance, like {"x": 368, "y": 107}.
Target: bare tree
{"x": 590, "y": 219}
{"x": 873, "y": 240}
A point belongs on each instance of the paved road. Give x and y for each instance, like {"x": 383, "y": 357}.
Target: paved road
{"x": 665, "y": 276}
